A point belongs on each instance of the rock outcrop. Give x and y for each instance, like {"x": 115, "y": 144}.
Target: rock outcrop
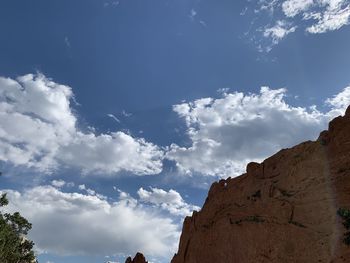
{"x": 139, "y": 258}
{"x": 282, "y": 210}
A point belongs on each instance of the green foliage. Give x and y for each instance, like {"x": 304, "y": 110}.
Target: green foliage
{"x": 14, "y": 247}
{"x": 345, "y": 215}
{"x": 3, "y": 200}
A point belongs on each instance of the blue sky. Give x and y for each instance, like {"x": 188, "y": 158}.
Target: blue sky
{"x": 116, "y": 116}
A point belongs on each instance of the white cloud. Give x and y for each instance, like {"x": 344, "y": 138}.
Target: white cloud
{"x": 229, "y": 132}
{"x": 339, "y": 102}
{"x": 58, "y": 183}
{"x": 203, "y": 23}
{"x": 286, "y": 16}
{"x": 279, "y": 31}
{"x": 51, "y": 137}
{"x": 193, "y": 14}
{"x": 90, "y": 191}
{"x": 111, "y": 3}
{"x": 126, "y": 114}
{"x": 113, "y": 117}
{"x": 67, "y": 42}
{"x": 335, "y": 16}
{"x": 267, "y": 5}
{"x": 111, "y": 153}
{"x": 70, "y": 184}
{"x": 293, "y": 7}
{"x": 244, "y": 11}
{"x": 170, "y": 201}
{"x": 78, "y": 224}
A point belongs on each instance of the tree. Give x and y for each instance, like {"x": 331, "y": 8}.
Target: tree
{"x": 345, "y": 215}
{"x": 14, "y": 246}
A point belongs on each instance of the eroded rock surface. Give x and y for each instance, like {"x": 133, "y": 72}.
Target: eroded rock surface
{"x": 139, "y": 258}
{"x": 282, "y": 210}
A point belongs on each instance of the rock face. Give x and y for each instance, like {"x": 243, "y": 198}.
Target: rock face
{"x": 282, "y": 210}
{"x": 139, "y": 258}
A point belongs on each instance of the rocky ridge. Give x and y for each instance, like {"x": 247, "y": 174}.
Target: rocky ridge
{"x": 139, "y": 258}
{"x": 281, "y": 210}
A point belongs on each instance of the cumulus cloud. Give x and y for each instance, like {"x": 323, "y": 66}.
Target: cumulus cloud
{"x": 111, "y": 153}
{"x": 286, "y": 16}
{"x": 229, "y": 132}
{"x": 77, "y": 224}
{"x": 169, "y": 200}
{"x": 52, "y": 139}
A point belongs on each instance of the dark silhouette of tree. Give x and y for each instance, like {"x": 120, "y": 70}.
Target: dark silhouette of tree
{"x": 14, "y": 246}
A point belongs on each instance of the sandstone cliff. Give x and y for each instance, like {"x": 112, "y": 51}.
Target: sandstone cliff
{"x": 139, "y": 258}
{"x": 282, "y": 210}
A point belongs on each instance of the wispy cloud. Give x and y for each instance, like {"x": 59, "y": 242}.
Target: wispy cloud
{"x": 58, "y": 183}
{"x": 126, "y": 114}
{"x": 67, "y": 42}
{"x": 244, "y": 11}
{"x": 113, "y": 117}
{"x": 334, "y": 17}
{"x": 192, "y": 14}
{"x": 277, "y": 32}
{"x": 293, "y": 7}
{"x": 111, "y": 3}
{"x": 203, "y": 23}
{"x": 267, "y": 5}
{"x": 288, "y": 16}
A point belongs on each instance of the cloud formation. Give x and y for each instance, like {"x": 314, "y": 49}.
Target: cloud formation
{"x": 229, "y": 132}
{"x": 169, "y": 200}
{"x": 334, "y": 14}
{"x": 285, "y": 16}
{"x": 339, "y": 102}
{"x": 58, "y": 183}
{"x": 39, "y": 130}
{"x": 280, "y": 30}
{"x": 226, "y": 133}
{"x": 86, "y": 224}
{"x": 293, "y": 7}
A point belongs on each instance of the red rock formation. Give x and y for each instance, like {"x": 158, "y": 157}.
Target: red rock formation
{"x": 282, "y": 210}
{"x": 139, "y": 258}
